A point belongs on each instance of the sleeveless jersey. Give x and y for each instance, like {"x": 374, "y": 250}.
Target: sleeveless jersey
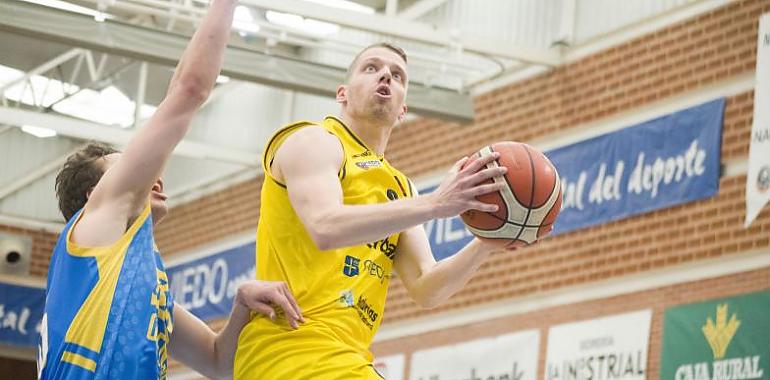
{"x": 108, "y": 311}
{"x": 341, "y": 291}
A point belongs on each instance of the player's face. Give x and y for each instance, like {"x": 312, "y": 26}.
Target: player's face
{"x": 377, "y": 87}
{"x": 158, "y": 198}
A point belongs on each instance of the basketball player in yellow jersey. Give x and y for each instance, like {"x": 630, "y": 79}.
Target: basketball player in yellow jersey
{"x": 337, "y": 219}
{"x": 109, "y": 313}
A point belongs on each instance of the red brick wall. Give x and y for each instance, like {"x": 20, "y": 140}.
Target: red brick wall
{"x": 232, "y": 211}
{"x": 707, "y": 49}
{"x": 657, "y": 299}
{"x": 695, "y": 53}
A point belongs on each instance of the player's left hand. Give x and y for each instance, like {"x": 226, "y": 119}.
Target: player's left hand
{"x": 263, "y": 296}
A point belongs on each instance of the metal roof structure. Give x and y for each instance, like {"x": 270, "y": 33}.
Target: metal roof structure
{"x": 74, "y": 70}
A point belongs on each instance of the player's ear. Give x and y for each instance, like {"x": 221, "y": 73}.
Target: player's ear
{"x": 402, "y": 114}
{"x": 342, "y": 94}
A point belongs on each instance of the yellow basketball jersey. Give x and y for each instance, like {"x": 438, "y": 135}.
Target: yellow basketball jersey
{"x": 341, "y": 291}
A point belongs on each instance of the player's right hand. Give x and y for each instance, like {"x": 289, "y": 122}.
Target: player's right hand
{"x": 458, "y": 192}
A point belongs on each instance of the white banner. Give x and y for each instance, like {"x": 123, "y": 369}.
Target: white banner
{"x": 613, "y": 347}
{"x": 510, "y": 356}
{"x": 758, "y": 178}
{"x": 390, "y": 367}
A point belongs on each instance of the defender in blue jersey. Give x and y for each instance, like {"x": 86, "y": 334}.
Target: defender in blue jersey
{"x": 109, "y": 313}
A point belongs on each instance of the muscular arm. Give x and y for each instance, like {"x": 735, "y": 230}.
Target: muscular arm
{"x": 212, "y": 354}
{"x": 308, "y": 163}
{"x": 122, "y": 192}
{"x": 429, "y": 282}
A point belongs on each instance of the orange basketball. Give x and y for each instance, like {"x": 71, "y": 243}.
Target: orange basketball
{"x": 528, "y": 203}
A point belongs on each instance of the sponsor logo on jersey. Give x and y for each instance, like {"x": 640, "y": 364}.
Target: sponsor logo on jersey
{"x": 376, "y": 270}
{"x": 369, "y": 164}
{"x": 350, "y": 268}
{"x": 346, "y": 298}
{"x": 366, "y": 312}
{"x": 384, "y": 246}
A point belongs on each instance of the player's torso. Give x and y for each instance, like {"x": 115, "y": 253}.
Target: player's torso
{"x": 108, "y": 310}
{"x": 341, "y": 291}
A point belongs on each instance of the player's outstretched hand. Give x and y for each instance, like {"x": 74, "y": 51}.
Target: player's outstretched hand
{"x": 458, "y": 192}
{"x": 263, "y": 296}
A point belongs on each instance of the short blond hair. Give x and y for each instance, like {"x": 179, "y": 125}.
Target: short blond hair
{"x": 401, "y": 53}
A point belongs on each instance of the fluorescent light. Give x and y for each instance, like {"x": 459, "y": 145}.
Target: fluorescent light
{"x": 300, "y": 23}
{"x": 65, "y": 6}
{"x": 320, "y": 27}
{"x": 145, "y": 111}
{"x": 109, "y": 106}
{"x": 243, "y": 20}
{"x": 38, "y": 131}
{"x": 36, "y": 90}
{"x": 344, "y": 4}
{"x": 242, "y": 13}
{"x": 285, "y": 19}
{"x": 223, "y": 79}
{"x": 8, "y": 74}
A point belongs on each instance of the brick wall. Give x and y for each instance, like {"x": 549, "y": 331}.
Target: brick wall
{"x": 705, "y": 50}
{"x": 232, "y": 211}
{"x": 710, "y": 48}
{"x": 658, "y": 300}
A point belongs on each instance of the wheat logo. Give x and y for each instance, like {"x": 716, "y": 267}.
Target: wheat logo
{"x": 744, "y": 361}
{"x": 720, "y": 334}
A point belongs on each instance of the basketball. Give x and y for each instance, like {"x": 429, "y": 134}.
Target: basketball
{"x": 528, "y": 203}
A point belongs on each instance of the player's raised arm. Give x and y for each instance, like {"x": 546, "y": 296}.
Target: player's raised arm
{"x": 316, "y": 195}
{"x": 126, "y": 185}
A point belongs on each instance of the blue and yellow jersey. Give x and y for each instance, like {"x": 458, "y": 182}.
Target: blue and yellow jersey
{"x": 108, "y": 311}
{"x": 341, "y": 291}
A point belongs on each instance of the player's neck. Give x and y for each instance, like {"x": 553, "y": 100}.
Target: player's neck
{"x": 375, "y": 135}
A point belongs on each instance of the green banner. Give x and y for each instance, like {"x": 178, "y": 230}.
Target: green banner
{"x": 726, "y": 339}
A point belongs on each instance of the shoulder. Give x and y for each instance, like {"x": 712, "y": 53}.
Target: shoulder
{"x": 311, "y": 140}
{"x": 298, "y": 137}
{"x": 308, "y": 148}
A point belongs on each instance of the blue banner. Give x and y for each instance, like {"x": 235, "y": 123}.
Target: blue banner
{"x": 660, "y": 163}
{"x": 21, "y": 310}
{"x": 206, "y": 286}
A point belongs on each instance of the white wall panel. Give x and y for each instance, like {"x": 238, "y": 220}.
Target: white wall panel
{"x": 242, "y": 116}
{"x": 597, "y": 17}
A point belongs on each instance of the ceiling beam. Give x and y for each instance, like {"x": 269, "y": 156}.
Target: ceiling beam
{"x": 86, "y": 130}
{"x": 566, "y": 34}
{"x": 419, "y": 9}
{"x": 395, "y": 27}
{"x": 44, "y": 67}
{"x": 391, "y": 7}
{"x": 240, "y": 63}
